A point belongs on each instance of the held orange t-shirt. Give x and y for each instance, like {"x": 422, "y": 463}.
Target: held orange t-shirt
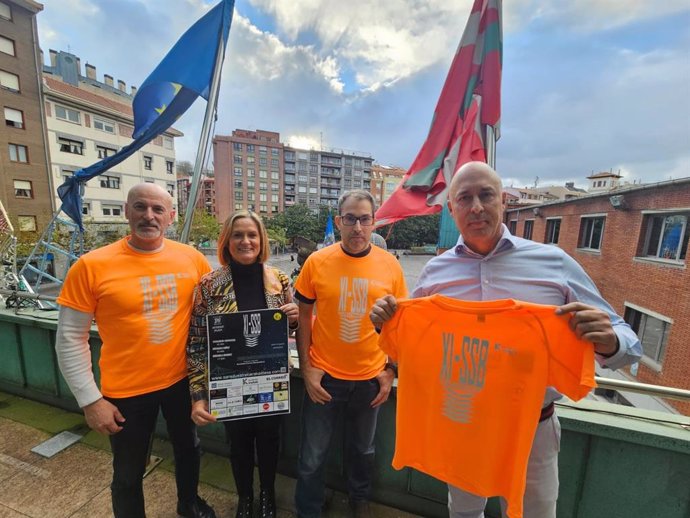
{"x": 142, "y": 303}
{"x": 472, "y": 377}
{"x": 344, "y": 342}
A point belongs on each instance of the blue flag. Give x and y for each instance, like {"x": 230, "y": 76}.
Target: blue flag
{"x": 329, "y": 237}
{"x": 184, "y": 74}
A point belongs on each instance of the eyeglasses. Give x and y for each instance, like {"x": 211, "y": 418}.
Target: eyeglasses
{"x": 350, "y": 220}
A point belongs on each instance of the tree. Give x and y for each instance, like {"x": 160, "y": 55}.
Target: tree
{"x": 414, "y": 231}
{"x": 204, "y": 227}
{"x": 185, "y": 167}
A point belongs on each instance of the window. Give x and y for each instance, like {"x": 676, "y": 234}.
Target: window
{"x": 553, "y": 229}
{"x": 274, "y": 198}
{"x": 237, "y": 159}
{"x": 14, "y": 118}
{"x": 263, "y": 186}
{"x": 67, "y": 174}
{"x": 238, "y": 206}
{"x": 251, "y": 160}
{"x": 9, "y": 81}
{"x": 27, "y": 223}
{"x": 71, "y": 146}
{"x": 275, "y": 175}
{"x": 109, "y": 182}
{"x": 250, "y": 148}
{"x": 67, "y": 114}
{"x": 148, "y": 163}
{"x": 168, "y": 167}
{"x": 512, "y": 225}
{"x": 104, "y": 125}
{"x": 527, "y": 231}
{"x": 104, "y": 152}
{"x": 170, "y": 187}
{"x": 250, "y": 196}
{"x": 5, "y": 11}
{"x": 263, "y": 173}
{"x": 651, "y": 328}
{"x": 238, "y": 195}
{"x": 86, "y": 209}
{"x": 263, "y": 208}
{"x": 7, "y": 46}
{"x": 237, "y": 146}
{"x": 250, "y": 173}
{"x": 275, "y": 187}
{"x": 18, "y": 153}
{"x": 111, "y": 210}
{"x": 262, "y": 197}
{"x": 238, "y": 184}
{"x": 667, "y": 236}
{"x": 168, "y": 143}
{"x": 274, "y": 163}
{"x": 591, "y": 232}
{"x": 274, "y": 152}
{"x": 22, "y": 189}
{"x": 263, "y": 162}
{"x": 250, "y": 184}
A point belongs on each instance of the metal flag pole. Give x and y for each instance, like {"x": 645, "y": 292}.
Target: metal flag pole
{"x": 491, "y": 147}
{"x": 203, "y": 142}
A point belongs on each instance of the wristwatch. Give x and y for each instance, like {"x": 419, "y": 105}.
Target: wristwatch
{"x": 393, "y": 367}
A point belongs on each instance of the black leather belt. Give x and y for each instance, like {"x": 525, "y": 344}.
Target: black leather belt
{"x": 546, "y": 412}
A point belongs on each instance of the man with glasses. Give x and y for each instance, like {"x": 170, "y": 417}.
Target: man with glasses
{"x": 343, "y": 368}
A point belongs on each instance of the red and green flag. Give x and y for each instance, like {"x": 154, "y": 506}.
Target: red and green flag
{"x": 470, "y": 101}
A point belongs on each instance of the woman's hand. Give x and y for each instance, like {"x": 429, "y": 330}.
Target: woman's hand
{"x": 200, "y": 413}
{"x": 291, "y": 310}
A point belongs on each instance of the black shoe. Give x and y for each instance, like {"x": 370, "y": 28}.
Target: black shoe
{"x": 197, "y": 509}
{"x": 245, "y": 507}
{"x": 267, "y": 504}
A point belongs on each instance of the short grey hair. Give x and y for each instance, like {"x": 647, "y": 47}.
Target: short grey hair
{"x": 357, "y": 194}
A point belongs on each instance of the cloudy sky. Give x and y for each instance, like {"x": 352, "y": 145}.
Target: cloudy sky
{"x": 588, "y": 85}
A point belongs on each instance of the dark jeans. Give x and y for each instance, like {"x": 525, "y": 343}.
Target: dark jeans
{"x": 318, "y": 421}
{"x": 260, "y": 434}
{"x": 130, "y": 446}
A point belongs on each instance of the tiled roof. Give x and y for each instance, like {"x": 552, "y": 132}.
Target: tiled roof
{"x": 99, "y": 100}
{"x": 85, "y": 95}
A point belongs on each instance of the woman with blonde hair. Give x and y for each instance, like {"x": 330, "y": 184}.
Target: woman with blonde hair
{"x": 243, "y": 282}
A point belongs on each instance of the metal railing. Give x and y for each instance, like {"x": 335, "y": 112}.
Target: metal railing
{"x": 643, "y": 388}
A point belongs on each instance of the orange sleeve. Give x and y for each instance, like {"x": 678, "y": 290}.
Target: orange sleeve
{"x": 571, "y": 360}
{"x": 76, "y": 292}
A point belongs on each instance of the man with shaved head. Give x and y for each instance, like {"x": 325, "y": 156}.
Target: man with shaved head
{"x": 488, "y": 263}
{"x": 140, "y": 291}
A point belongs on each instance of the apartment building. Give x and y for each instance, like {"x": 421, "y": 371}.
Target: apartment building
{"x": 88, "y": 120}
{"x": 384, "y": 180}
{"x": 25, "y": 185}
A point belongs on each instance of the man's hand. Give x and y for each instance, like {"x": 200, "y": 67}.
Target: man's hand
{"x": 591, "y": 324}
{"x": 385, "y": 379}
{"x": 103, "y": 417}
{"x": 383, "y": 310}
{"x": 200, "y": 413}
{"x": 312, "y": 382}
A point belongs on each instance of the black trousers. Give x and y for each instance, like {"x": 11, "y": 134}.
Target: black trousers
{"x": 247, "y": 436}
{"x": 130, "y": 446}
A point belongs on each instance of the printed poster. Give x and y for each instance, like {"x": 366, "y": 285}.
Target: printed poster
{"x": 248, "y": 364}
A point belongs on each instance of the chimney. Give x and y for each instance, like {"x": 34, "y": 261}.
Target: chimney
{"x": 90, "y": 71}
{"x": 570, "y": 185}
{"x": 121, "y": 86}
{"x": 134, "y": 91}
{"x": 53, "y": 57}
{"x": 78, "y": 67}
{"x": 108, "y": 80}
{"x": 41, "y": 57}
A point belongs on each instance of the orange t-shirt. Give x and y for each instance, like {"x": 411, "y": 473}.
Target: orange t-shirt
{"x": 472, "y": 377}
{"x": 142, "y": 303}
{"x": 343, "y": 340}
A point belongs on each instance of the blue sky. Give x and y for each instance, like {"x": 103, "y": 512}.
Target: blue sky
{"x": 590, "y": 85}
